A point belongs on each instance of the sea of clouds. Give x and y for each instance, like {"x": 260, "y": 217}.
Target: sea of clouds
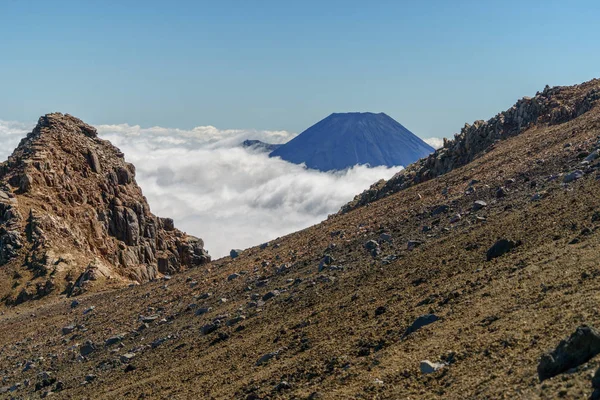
{"x": 230, "y": 196}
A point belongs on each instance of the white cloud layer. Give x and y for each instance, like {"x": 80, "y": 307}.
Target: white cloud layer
{"x": 214, "y": 189}
{"x": 11, "y": 133}
{"x": 434, "y": 142}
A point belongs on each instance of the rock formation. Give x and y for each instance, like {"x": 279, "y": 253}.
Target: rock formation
{"x": 71, "y": 213}
{"x": 552, "y": 106}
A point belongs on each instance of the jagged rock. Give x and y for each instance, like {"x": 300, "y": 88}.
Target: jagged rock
{"x": 89, "y": 207}
{"x": 581, "y": 346}
{"x": 551, "y": 106}
{"x": 234, "y": 253}
{"x": 500, "y": 248}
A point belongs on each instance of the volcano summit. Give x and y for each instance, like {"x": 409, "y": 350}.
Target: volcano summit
{"x": 343, "y": 140}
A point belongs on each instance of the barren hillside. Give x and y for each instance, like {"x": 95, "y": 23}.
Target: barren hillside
{"x": 478, "y": 270}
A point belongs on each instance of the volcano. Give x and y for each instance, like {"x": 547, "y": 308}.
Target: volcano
{"x": 343, "y": 140}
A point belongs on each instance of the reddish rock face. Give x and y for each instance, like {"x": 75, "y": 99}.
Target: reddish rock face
{"x": 70, "y": 206}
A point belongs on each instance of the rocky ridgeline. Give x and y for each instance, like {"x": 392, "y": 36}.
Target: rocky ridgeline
{"x": 552, "y": 106}
{"x": 71, "y": 213}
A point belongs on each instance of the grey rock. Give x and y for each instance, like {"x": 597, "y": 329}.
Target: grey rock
{"x": 267, "y": 357}
{"x": 209, "y": 328}
{"x": 573, "y": 176}
{"x": 234, "y": 253}
{"x": 428, "y": 367}
{"x": 479, "y": 204}
{"x": 500, "y": 248}
{"x": 385, "y": 237}
{"x": 125, "y": 358}
{"x": 148, "y": 319}
{"x": 68, "y": 329}
{"x": 413, "y": 244}
{"x": 233, "y": 276}
{"x": 580, "y": 347}
{"x": 371, "y": 245}
{"x": 270, "y": 295}
{"x": 236, "y": 320}
{"x": 114, "y": 340}
{"x": 592, "y": 156}
{"x": 440, "y": 210}
{"x": 87, "y": 348}
{"x": 203, "y": 310}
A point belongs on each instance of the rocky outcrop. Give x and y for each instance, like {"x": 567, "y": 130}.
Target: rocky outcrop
{"x": 85, "y": 217}
{"x": 551, "y": 106}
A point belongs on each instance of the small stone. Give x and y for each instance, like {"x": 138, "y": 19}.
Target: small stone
{"x": 478, "y": 205}
{"x": 380, "y": 310}
{"x": 385, "y": 237}
{"x": 209, "y": 328}
{"x": 233, "y": 276}
{"x": 87, "y": 348}
{"x": 234, "y": 253}
{"x": 501, "y": 192}
{"x": 236, "y": 320}
{"x": 283, "y": 385}
{"x": 371, "y": 245}
{"x": 573, "y": 176}
{"x": 114, "y": 340}
{"x": 267, "y": 357}
{"x": 413, "y": 244}
{"x": 428, "y": 367}
{"x": 203, "y": 310}
{"x": 270, "y": 295}
{"x": 125, "y": 358}
{"x": 68, "y": 329}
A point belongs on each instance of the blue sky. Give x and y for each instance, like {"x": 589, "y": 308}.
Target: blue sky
{"x": 432, "y": 65}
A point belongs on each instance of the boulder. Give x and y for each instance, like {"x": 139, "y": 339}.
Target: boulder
{"x": 581, "y": 346}
{"x": 500, "y": 248}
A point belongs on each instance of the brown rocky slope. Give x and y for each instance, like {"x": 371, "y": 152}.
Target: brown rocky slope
{"x": 329, "y": 312}
{"x": 71, "y": 213}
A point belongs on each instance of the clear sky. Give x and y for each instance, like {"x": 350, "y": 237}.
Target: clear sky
{"x": 432, "y": 65}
